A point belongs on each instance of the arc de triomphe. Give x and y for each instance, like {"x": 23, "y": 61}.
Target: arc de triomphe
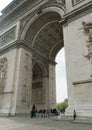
{"x": 31, "y": 34}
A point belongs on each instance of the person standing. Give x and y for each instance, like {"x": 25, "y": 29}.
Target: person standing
{"x": 33, "y": 111}
{"x": 74, "y": 114}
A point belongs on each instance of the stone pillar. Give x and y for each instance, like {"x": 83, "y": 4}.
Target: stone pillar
{"x": 79, "y": 80}
{"x": 23, "y": 81}
{"x": 52, "y": 86}
{"x": 69, "y": 69}
{"x": 8, "y": 94}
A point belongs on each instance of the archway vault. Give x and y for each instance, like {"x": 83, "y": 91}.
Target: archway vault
{"x": 45, "y": 36}
{"x": 44, "y": 31}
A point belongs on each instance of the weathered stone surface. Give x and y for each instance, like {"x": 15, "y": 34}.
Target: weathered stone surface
{"x": 30, "y": 37}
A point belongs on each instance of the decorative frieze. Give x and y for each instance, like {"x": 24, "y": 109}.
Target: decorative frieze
{"x": 8, "y": 36}
{"x": 3, "y": 72}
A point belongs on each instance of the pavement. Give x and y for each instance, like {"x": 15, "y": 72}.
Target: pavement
{"x": 27, "y": 123}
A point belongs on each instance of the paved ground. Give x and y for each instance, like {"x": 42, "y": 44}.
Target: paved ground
{"x": 26, "y": 123}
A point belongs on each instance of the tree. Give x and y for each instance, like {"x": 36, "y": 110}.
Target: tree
{"x": 62, "y": 106}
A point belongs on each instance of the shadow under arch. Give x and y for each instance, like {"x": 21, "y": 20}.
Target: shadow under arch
{"x": 38, "y": 92}
{"x": 39, "y": 69}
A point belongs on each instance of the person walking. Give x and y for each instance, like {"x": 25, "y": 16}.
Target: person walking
{"x": 33, "y": 112}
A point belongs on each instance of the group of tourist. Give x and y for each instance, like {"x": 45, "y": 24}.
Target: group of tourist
{"x": 53, "y": 112}
{"x": 43, "y": 112}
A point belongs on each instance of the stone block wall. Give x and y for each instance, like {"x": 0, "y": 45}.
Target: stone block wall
{"x": 78, "y": 66}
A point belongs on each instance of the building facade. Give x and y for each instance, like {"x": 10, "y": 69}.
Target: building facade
{"x": 31, "y": 34}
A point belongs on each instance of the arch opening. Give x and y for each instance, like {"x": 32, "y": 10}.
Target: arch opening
{"x": 61, "y": 81}
{"x": 38, "y": 89}
{"x": 45, "y": 36}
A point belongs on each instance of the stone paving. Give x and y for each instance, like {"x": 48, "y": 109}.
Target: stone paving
{"x": 26, "y": 123}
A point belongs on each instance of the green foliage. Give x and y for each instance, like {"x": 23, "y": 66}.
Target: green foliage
{"x": 63, "y": 105}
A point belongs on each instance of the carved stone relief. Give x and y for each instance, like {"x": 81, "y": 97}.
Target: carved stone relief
{"x": 88, "y": 31}
{"x": 3, "y": 72}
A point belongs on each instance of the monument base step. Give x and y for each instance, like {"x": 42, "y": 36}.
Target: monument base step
{"x": 84, "y": 120}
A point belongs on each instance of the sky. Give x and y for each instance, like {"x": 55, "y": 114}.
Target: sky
{"x": 61, "y": 85}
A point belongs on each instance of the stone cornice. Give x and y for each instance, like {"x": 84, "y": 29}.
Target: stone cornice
{"x": 11, "y": 6}
{"x": 82, "y": 82}
{"x": 16, "y": 44}
{"x": 23, "y": 44}
{"x": 17, "y": 3}
{"x": 72, "y": 15}
{"x": 20, "y": 6}
{"x": 5, "y": 15}
{"x": 8, "y": 92}
{"x": 19, "y": 12}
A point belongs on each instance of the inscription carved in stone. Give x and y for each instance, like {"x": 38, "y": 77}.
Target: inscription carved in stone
{"x": 8, "y": 36}
{"x": 3, "y": 72}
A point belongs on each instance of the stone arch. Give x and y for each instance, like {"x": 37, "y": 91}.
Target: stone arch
{"x": 44, "y": 33}
{"x": 55, "y": 50}
{"x": 39, "y": 27}
{"x": 36, "y": 33}
{"x": 60, "y": 11}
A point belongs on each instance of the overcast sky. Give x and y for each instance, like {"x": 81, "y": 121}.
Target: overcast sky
{"x": 61, "y": 86}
